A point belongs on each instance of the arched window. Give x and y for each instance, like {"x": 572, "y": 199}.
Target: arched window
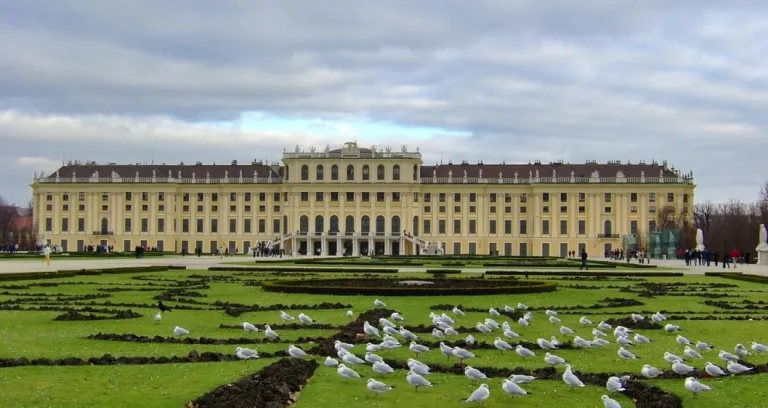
{"x": 366, "y": 173}
{"x": 652, "y": 226}
{"x": 607, "y": 228}
{"x": 380, "y": 172}
{"x": 104, "y": 225}
{"x": 319, "y": 224}
{"x": 380, "y": 225}
{"x": 395, "y": 225}
{"x": 334, "y": 224}
{"x": 304, "y": 172}
{"x": 334, "y": 172}
{"x": 349, "y": 225}
{"x": 350, "y": 173}
{"x": 415, "y": 172}
{"x": 396, "y": 172}
{"x": 319, "y": 172}
{"x": 303, "y": 224}
{"x": 365, "y": 225}
{"x": 415, "y": 226}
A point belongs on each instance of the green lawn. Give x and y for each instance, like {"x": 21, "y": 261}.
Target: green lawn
{"x": 34, "y": 334}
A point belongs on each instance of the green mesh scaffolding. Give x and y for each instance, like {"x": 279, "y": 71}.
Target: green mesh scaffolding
{"x": 658, "y": 243}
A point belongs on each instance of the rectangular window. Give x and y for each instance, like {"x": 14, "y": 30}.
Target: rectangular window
{"x": 262, "y": 226}
{"x": 507, "y": 198}
{"x": 144, "y": 196}
{"x": 276, "y": 226}
{"x": 651, "y": 197}
{"x": 232, "y": 196}
{"x": 262, "y": 196}
{"x": 457, "y": 248}
{"x": 441, "y": 197}
{"x": 492, "y": 209}
{"x": 185, "y": 197}
{"x": 214, "y": 225}
{"x": 633, "y": 209}
{"x": 472, "y": 248}
{"x": 545, "y": 209}
{"x": 262, "y": 208}
{"x": 304, "y": 196}
{"x": 145, "y": 225}
{"x": 563, "y": 197}
{"x": 633, "y": 197}
{"x": 380, "y": 197}
{"x": 507, "y": 227}
{"x": 247, "y": 226}
{"x": 652, "y": 209}
{"x": 457, "y": 208}
{"x": 441, "y": 226}
{"x": 81, "y": 196}
{"x": 685, "y": 198}
{"x": 81, "y": 225}
{"x": 456, "y": 197}
{"x": 128, "y": 196}
{"x": 427, "y": 209}
{"x": 457, "y": 227}
{"x": 160, "y": 225}
{"x": 633, "y": 227}
{"x": 200, "y": 197}
{"x": 563, "y": 227}
{"x": 492, "y": 197}
{"x": 472, "y": 197}
{"x": 545, "y": 227}
{"x": 523, "y": 209}
{"x": 427, "y": 197}
{"x": 545, "y": 197}
{"x": 276, "y": 197}
{"x": 441, "y": 209}
{"x": 582, "y": 209}
{"x": 334, "y": 196}
{"x": 214, "y": 197}
{"x": 563, "y": 209}
{"x": 247, "y": 197}
{"x": 396, "y": 197}
{"x": 670, "y": 197}
{"x": 582, "y": 197}
{"x": 199, "y": 225}
{"x": 607, "y": 197}
{"x": 508, "y": 248}
{"x": 104, "y": 196}
{"x": 508, "y": 209}
{"x": 492, "y": 227}
{"x": 127, "y": 225}
{"x": 65, "y": 225}
{"x": 472, "y": 209}
{"x": 160, "y": 196}
{"x": 427, "y": 227}
{"x": 233, "y": 225}
{"x": 582, "y": 227}
{"x": 185, "y": 225}
{"x": 366, "y": 197}
{"x": 319, "y": 196}
{"x": 415, "y": 197}
{"x": 523, "y": 249}
{"x": 232, "y": 208}
{"x": 607, "y": 210}
{"x": 523, "y": 227}
{"x": 545, "y": 249}
{"x": 473, "y": 226}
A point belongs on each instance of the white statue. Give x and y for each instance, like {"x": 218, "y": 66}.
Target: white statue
{"x": 554, "y": 173}
{"x": 434, "y": 173}
{"x": 465, "y": 173}
{"x": 312, "y": 149}
{"x": 762, "y": 246}
{"x": 480, "y": 174}
{"x": 226, "y": 174}
{"x": 699, "y": 239}
{"x": 404, "y": 148}
{"x": 450, "y": 173}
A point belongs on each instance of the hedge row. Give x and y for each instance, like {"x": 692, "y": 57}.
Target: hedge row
{"x": 300, "y": 269}
{"x": 306, "y": 286}
{"x": 83, "y": 272}
{"x": 739, "y": 276}
{"x": 444, "y": 271}
{"x": 588, "y": 273}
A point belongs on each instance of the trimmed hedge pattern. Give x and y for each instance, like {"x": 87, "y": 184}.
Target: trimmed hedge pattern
{"x": 378, "y": 287}
{"x": 300, "y": 269}
{"x": 84, "y": 272}
{"x": 587, "y": 273}
{"x": 739, "y": 276}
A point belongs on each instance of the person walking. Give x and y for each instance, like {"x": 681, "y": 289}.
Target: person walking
{"x": 584, "y": 260}
{"x": 47, "y": 255}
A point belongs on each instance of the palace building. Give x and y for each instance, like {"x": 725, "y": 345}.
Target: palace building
{"x": 355, "y": 201}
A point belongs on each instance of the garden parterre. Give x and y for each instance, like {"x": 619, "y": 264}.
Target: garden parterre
{"x": 130, "y": 361}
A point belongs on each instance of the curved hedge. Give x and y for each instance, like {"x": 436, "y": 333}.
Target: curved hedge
{"x": 306, "y": 269}
{"x": 587, "y": 273}
{"x": 391, "y": 287}
{"x": 62, "y": 273}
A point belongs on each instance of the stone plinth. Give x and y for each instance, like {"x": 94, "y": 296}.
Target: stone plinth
{"x": 762, "y": 254}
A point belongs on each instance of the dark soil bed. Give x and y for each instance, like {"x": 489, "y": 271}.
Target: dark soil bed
{"x": 276, "y": 386}
{"x": 397, "y": 287}
{"x": 73, "y": 315}
{"x": 134, "y": 338}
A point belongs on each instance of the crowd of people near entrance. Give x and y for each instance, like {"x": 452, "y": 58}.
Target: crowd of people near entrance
{"x": 696, "y": 257}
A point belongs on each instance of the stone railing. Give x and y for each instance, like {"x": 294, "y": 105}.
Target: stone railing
{"x": 362, "y": 155}
{"x": 557, "y": 180}
{"x": 159, "y": 180}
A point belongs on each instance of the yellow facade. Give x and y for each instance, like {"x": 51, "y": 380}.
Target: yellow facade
{"x": 358, "y": 200}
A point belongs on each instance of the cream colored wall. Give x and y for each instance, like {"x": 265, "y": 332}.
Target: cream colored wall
{"x": 406, "y": 209}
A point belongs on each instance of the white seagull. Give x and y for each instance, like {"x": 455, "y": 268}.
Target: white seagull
{"x": 271, "y": 334}
{"x": 637, "y": 317}
{"x": 742, "y": 351}
{"x": 714, "y": 370}
{"x": 565, "y": 331}
{"x": 331, "y": 362}
{"x": 246, "y": 353}
{"x": 604, "y": 326}
{"x": 502, "y": 345}
{"x": 681, "y": 368}
{"x": 521, "y": 379}
{"x": 639, "y": 338}
{"x": 552, "y": 359}
{"x": 417, "y": 381}
{"x": 694, "y": 386}
{"x": 377, "y": 387}
{"x": 379, "y": 303}
{"x": 446, "y": 350}
{"x": 586, "y": 322}
{"x": 349, "y": 313}
{"x": 296, "y": 352}
{"x": 522, "y": 306}
{"x": 671, "y": 328}
{"x": 474, "y": 374}
{"x": 523, "y": 322}
{"x": 570, "y": 378}
{"x": 494, "y": 312}
{"x": 702, "y": 346}
{"x": 726, "y": 356}
{"x": 180, "y": 331}
{"x": 371, "y": 330}
{"x": 382, "y": 368}
{"x": 691, "y": 353}
{"x": 346, "y": 373}
{"x": 545, "y": 344}
{"x": 736, "y": 368}
{"x": 338, "y": 345}
{"x": 614, "y": 384}
{"x": 608, "y": 402}
{"x": 462, "y": 354}
{"x": 671, "y": 358}
{"x": 759, "y": 348}
{"x": 649, "y": 371}
{"x": 458, "y": 312}
{"x": 524, "y": 352}
{"x": 304, "y": 319}
{"x": 397, "y": 317}
{"x": 511, "y": 388}
{"x": 682, "y": 340}
{"x": 554, "y": 320}
{"x": 250, "y": 328}
{"x": 626, "y": 354}
{"x": 372, "y": 358}
{"x": 479, "y": 395}
{"x": 158, "y": 316}
{"x": 418, "y": 348}
{"x": 598, "y": 333}
{"x": 285, "y": 316}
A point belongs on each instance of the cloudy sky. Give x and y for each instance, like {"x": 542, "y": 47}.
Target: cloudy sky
{"x": 169, "y": 81}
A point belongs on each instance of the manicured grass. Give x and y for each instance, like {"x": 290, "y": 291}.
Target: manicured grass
{"x": 34, "y": 334}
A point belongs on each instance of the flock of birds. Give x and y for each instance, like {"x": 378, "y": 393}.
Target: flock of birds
{"x": 443, "y": 327}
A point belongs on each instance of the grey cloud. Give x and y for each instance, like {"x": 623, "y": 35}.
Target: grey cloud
{"x": 595, "y": 79}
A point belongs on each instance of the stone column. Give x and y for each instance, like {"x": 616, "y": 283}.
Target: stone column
{"x": 339, "y": 249}
{"x": 355, "y": 246}
{"x": 387, "y": 246}
{"x": 324, "y": 246}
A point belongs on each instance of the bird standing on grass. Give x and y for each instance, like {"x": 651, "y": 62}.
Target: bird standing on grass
{"x": 162, "y": 307}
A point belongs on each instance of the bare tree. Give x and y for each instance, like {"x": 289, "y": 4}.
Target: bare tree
{"x": 7, "y": 215}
